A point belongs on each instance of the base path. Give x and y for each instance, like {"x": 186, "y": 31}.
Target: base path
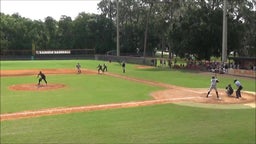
{"x": 199, "y": 94}
{"x": 172, "y": 94}
{"x": 5, "y": 73}
{"x": 56, "y": 111}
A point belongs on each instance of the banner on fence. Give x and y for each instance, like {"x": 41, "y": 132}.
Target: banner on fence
{"x": 53, "y": 52}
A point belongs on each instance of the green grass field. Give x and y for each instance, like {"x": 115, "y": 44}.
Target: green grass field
{"x": 165, "y": 123}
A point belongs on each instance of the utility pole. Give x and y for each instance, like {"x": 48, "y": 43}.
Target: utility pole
{"x": 146, "y": 31}
{"x": 117, "y": 29}
{"x": 224, "y": 32}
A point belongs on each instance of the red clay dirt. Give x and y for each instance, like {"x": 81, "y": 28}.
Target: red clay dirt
{"x": 35, "y": 87}
{"x": 170, "y": 95}
{"x": 46, "y": 71}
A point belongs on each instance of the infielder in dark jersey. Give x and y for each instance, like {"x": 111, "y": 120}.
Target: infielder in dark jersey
{"x": 42, "y": 77}
{"x": 78, "y": 67}
{"x": 105, "y": 68}
{"x": 99, "y": 68}
{"x": 123, "y": 66}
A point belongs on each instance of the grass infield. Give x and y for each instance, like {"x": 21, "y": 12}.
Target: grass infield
{"x": 166, "y": 123}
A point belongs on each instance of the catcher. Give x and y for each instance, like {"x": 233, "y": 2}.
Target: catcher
{"x": 42, "y": 77}
{"x": 229, "y": 90}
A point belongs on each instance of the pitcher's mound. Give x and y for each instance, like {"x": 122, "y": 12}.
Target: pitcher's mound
{"x": 35, "y": 87}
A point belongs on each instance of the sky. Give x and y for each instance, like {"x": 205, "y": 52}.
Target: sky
{"x": 40, "y": 9}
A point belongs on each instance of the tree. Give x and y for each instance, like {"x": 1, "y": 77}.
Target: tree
{"x": 65, "y": 32}
{"x": 51, "y": 33}
{"x": 186, "y": 27}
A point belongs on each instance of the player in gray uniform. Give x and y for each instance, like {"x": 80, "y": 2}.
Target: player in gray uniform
{"x": 214, "y": 82}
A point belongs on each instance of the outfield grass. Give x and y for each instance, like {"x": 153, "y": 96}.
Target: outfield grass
{"x": 168, "y": 123}
{"x": 191, "y": 79}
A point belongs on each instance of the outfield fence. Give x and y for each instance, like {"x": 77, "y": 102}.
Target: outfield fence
{"x": 129, "y": 59}
{"x": 47, "y": 54}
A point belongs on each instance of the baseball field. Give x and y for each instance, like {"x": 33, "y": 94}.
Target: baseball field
{"x": 143, "y": 105}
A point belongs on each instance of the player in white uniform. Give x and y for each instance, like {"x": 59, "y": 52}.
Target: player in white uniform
{"x": 214, "y": 82}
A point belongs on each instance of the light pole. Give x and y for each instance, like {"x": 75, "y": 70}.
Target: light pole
{"x": 117, "y": 29}
{"x": 224, "y": 32}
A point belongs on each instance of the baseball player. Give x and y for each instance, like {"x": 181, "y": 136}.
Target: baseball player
{"x": 214, "y": 82}
{"x": 239, "y": 88}
{"x": 42, "y": 77}
{"x": 78, "y": 67}
{"x": 105, "y": 68}
{"x": 229, "y": 90}
{"x": 123, "y": 66}
{"x": 99, "y": 68}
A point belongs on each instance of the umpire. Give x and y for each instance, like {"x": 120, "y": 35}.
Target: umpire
{"x": 239, "y": 88}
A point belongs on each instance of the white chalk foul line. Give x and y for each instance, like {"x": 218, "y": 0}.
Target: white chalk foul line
{"x": 56, "y": 111}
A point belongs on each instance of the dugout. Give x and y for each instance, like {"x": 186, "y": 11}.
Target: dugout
{"x": 246, "y": 63}
{"x": 243, "y": 66}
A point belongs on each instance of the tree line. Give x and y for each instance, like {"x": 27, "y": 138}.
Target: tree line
{"x": 87, "y": 31}
{"x": 184, "y": 27}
